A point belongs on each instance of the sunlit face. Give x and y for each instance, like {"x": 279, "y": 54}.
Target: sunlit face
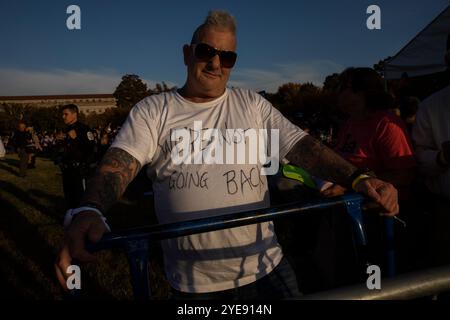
{"x": 69, "y": 117}
{"x": 208, "y": 79}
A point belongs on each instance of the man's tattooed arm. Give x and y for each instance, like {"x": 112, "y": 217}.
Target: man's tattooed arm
{"x": 321, "y": 161}
{"x": 117, "y": 169}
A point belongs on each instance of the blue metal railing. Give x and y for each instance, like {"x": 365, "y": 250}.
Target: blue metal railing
{"x": 136, "y": 241}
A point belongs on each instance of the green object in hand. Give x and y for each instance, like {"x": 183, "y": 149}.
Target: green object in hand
{"x": 299, "y": 174}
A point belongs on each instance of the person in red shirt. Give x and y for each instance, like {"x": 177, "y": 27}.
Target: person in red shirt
{"x": 372, "y": 138}
{"x": 375, "y": 139}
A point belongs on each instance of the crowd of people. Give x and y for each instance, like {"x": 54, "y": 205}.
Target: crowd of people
{"x": 50, "y": 145}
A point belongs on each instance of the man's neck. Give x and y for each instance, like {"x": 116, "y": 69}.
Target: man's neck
{"x": 195, "y": 97}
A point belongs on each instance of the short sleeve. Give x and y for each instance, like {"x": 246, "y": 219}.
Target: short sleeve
{"x": 138, "y": 135}
{"x": 394, "y": 146}
{"x": 289, "y": 134}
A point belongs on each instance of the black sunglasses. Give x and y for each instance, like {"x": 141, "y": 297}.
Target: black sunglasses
{"x": 204, "y": 52}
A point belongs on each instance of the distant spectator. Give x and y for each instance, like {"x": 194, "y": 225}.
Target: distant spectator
{"x": 103, "y": 144}
{"x": 32, "y": 148}
{"x": 2, "y": 149}
{"x": 7, "y": 144}
{"x": 20, "y": 140}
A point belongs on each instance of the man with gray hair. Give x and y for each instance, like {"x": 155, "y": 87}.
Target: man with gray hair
{"x": 238, "y": 263}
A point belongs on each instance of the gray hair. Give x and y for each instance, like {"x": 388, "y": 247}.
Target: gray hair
{"x": 217, "y": 19}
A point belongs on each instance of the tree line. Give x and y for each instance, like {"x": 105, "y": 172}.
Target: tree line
{"x": 291, "y": 99}
{"x": 297, "y": 101}
{"x": 49, "y": 118}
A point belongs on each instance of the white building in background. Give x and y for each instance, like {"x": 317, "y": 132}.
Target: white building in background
{"x": 87, "y": 103}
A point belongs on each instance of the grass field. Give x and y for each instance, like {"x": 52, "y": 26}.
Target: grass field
{"x": 31, "y": 233}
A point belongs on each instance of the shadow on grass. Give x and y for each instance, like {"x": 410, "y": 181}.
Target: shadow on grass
{"x": 55, "y": 211}
{"x": 8, "y": 168}
{"x": 12, "y": 162}
{"x": 34, "y": 247}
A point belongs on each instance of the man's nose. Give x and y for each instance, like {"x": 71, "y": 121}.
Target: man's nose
{"x": 215, "y": 62}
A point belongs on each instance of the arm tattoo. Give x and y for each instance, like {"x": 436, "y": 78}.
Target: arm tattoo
{"x": 321, "y": 161}
{"x": 117, "y": 169}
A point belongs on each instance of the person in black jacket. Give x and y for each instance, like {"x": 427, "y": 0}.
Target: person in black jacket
{"x": 78, "y": 151}
{"x": 20, "y": 140}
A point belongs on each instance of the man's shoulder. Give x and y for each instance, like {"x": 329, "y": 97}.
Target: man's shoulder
{"x": 82, "y": 129}
{"x": 155, "y": 101}
{"x": 158, "y": 97}
{"x": 244, "y": 92}
{"x": 246, "y": 96}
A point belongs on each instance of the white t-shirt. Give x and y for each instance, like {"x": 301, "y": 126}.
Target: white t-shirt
{"x": 432, "y": 127}
{"x": 222, "y": 259}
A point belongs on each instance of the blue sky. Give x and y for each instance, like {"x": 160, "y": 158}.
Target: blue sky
{"x": 278, "y": 41}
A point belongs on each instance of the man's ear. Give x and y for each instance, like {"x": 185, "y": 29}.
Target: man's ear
{"x": 186, "y": 54}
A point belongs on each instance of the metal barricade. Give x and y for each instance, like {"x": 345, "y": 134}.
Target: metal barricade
{"x": 413, "y": 285}
{"x": 136, "y": 242}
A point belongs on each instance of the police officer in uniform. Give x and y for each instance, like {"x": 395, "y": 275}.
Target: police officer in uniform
{"x": 77, "y": 157}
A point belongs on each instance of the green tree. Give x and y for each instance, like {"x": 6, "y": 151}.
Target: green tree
{"x": 285, "y": 99}
{"x": 130, "y": 91}
{"x": 309, "y": 89}
{"x": 161, "y": 88}
{"x": 292, "y": 98}
{"x": 11, "y": 115}
{"x": 48, "y": 118}
{"x": 113, "y": 116}
{"x": 379, "y": 67}
{"x": 331, "y": 82}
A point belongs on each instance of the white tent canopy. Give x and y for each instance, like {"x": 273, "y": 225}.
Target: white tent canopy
{"x": 425, "y": 53}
